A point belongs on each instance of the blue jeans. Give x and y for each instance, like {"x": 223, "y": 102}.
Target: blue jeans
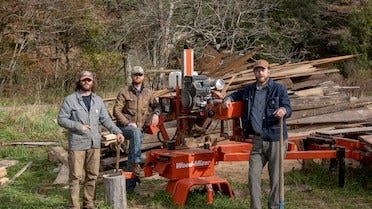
{"x": 135, "y": 136}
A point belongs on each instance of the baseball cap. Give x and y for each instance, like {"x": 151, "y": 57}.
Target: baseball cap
{"x": 85, "y": 74}
{"x": 137, "y": 69}
{"x": 261, "y": 63}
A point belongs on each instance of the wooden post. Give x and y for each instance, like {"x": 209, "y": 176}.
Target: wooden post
{"x": 115, "y": 190}
{"x": 281, "y": 170}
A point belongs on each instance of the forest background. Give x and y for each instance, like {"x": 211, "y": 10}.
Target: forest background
{"x": 43, "y": 43}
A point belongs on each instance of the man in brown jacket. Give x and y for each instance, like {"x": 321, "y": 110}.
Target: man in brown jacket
{"x": 134, "y": 105}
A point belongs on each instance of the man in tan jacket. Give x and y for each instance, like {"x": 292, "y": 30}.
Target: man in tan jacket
{"x": 134, "y": 105}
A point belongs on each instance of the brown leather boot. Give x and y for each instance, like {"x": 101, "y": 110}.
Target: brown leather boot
{"x": 137, "y": 170}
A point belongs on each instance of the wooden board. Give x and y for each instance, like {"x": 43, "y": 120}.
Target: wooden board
{"x": 108, "y": 142}
{"x": 286, "y": 82}
{"x": 8, "y": 163}
{"x": 306, "y": 84}
{"x": 327, "y": 109}
{"x": 317, "y": 91}
{"x": 34, "y": 144}
{"x": 346, "y": 130}
{"x": 304, "y": 103}
{"x": 347, "y": 116}
{"x": 366, "y": 138}
{"x": 109, "y": 137}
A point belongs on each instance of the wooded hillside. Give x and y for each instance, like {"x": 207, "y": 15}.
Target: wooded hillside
{"x": 44, "y": 43}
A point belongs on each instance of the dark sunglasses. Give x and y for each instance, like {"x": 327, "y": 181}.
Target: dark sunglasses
{"x": 138, "y": 74}
{"x": 86, "y": 80}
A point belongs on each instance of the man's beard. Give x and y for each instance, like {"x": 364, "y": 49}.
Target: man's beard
{"x": 262, "y": 80}
{"x": 86, "y": 87}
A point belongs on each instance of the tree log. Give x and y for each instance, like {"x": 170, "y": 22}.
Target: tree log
{"x": 60, "y": 153}
{"x": 115, "y": 191}
{"x": 63, "y": 175}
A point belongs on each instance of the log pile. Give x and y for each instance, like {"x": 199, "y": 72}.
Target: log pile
{"x": 315, "y": 95}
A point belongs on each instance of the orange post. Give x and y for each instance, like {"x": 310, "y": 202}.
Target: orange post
{"x": 209, "y": 193}
{"x": 188, "y": 62}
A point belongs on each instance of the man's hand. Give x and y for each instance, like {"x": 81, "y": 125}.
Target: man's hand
{"x": 227, "y": 104}
{"x": 154, "y": 120}
{"x": 133, "y": 125}
{"x": 280, "y": 112}
{"x": 120, "y": 138}
{"x": 85, "y": 127}
{"x": 217, "y": 94}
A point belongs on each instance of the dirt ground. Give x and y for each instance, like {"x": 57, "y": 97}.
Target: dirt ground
{"x": 238, "y": 171}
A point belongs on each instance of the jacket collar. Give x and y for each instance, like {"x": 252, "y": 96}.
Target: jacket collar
{"x": 135, "y": 90}
{"x": 80, "y": 97}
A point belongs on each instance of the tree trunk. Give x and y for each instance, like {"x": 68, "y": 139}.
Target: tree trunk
{"x": 115, "y": 191}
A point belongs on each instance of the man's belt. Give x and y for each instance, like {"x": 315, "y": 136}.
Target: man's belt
{"x": 257, "y": 134}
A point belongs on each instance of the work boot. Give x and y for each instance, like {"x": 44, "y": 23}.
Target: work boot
{"x": 137, "y": 170}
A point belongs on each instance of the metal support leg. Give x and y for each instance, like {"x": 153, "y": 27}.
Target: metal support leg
{"x": 341, "y": 167}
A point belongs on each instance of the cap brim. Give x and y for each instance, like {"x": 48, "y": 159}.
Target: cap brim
{"x": 259, "y": 66}
{"x": 86, "y": 76}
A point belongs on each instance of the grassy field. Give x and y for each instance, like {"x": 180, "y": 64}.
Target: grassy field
{"x": 34, "y": 188}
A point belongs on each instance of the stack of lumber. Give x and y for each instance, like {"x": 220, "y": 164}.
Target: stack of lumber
{"x": 315, "y": 97}
{"x": 107, "y": 138}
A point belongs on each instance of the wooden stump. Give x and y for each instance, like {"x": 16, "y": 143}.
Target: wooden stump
{"x": 115, "y": 190}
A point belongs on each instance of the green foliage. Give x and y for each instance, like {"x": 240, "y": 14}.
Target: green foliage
{"x": 304, "y": 26}
{"x": 357, "y": 38}
{"x": 323, "y": 187}
{"x": 33, "y": 188}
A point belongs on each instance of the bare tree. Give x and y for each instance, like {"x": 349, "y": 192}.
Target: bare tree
{"x": 43, "y": 33}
